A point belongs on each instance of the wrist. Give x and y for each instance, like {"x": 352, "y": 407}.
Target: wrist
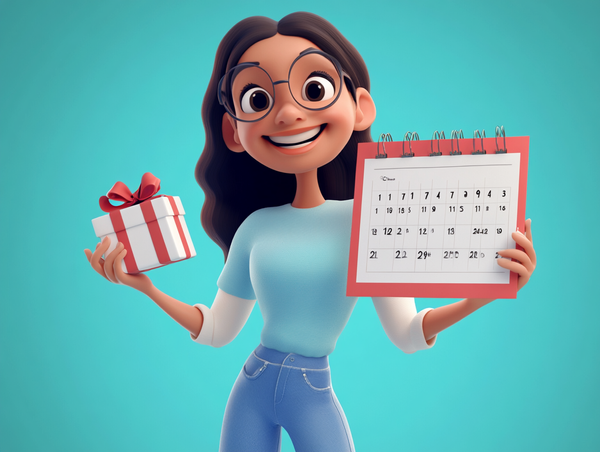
{"x": 148, "y": 289}
{"x": 476, "y": 303}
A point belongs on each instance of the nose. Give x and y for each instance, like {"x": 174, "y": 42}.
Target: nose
{"x": 287, "y": 111}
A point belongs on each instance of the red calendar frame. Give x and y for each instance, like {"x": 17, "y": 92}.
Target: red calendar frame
{"x": 518, "y": 145}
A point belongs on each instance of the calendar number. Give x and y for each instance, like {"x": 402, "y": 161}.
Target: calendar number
{"x": 423, "y": 255}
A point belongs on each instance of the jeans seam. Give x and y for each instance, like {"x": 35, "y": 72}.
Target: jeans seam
{"x": 338, "y": 407}
{"x": 310, "y": 385}
{"x": 256, "y": 374}
{"x": 285, "y": 365}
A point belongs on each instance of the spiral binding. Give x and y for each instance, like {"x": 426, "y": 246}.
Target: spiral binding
{"x": 383, "y": 138}
{"x": 501, "y": 133}
{"x": 410, "y": 137}
{"x": 457, "y": 135}
{"x": 481, "y": 136}
{"x": 439, "y": 136}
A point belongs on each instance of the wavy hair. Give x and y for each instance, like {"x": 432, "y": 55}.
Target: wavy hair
{"x": 234, "y": 184}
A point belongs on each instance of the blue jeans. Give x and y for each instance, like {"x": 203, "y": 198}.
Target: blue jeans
{"x": 275, "y": 390}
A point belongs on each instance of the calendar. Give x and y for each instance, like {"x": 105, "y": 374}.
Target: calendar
{"x": 430, "y": 224}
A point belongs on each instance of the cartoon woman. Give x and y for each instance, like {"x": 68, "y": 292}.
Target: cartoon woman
{"x": 287, "y": 104}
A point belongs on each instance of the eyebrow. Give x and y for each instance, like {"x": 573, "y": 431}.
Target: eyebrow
{"x": 307, "y": 49}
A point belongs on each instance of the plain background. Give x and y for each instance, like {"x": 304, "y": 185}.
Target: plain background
{"x": 92, "y": 92}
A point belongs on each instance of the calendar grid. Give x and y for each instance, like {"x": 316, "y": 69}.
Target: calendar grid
{"x": 428, "y": 225}
{"x": 422, "y": 226}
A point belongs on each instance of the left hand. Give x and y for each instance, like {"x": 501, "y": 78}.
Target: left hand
{"x": 523, "y": 262}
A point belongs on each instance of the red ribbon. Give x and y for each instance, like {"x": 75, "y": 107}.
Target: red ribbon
{"x": 158, "y": 240}
{"x": 149, "y": 186}
{"x": 186, "y": 247}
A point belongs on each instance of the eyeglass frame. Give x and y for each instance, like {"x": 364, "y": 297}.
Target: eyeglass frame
{"x": 343, "y": 77}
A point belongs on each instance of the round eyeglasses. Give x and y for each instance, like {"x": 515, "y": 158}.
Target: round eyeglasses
{"x": 315, "y": 82}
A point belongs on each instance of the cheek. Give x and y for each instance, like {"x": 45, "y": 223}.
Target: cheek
{"x": 340, "y": 124}
{"x": 249, "y": 134}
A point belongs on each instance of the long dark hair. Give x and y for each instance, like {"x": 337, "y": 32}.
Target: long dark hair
{"x": 234, "y": 184}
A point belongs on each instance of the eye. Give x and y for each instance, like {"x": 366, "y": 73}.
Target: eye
{"x": 319, "y": 86}
{"x": 255, "y": 99}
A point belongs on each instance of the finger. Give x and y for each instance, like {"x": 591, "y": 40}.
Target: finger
{"x": 520, "y": 256}
{"x": 101, "y": 248}
{"x": 527, "y": 245}
{"x": 120, "y": 275}
{"x": 109, "y": 263}
{"x": 528, "y": 230}
{"x": 97, "y": 264}
{"x": 514, "y": 267}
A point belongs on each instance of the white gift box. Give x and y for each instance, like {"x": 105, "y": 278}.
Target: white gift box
{"x": 153, "y": 232}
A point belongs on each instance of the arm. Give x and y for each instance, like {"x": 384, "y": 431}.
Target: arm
{"x": 411, "y": 331}
{"x": 402, "y": 324}
{"x": 229, "y": 313}
{"x": 523, "y": 263}
{"x": 223, "y": 320}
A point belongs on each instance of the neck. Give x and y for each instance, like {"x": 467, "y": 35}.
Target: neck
{"x": 308, "y": 193}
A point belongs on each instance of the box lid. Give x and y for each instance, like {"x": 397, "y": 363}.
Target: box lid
{"x": 133, "y": 216}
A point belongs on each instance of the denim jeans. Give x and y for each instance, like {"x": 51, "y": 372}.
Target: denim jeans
{"x": 276, "y": 390}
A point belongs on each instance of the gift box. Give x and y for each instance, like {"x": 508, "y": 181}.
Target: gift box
{"x": 151, "y": 227}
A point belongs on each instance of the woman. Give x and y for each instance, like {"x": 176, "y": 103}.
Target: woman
{"x": 287, "y": 104}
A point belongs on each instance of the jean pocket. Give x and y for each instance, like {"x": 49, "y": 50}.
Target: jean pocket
{"x": 318, "y": 380}
{"x": 254, "y": 367}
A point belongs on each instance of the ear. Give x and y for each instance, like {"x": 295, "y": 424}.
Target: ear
{"x": 365, "y": 110}
{"x": 230, "y": 134}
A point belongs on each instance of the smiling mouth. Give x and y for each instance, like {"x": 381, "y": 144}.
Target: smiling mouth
{"x": 298, "y": 140}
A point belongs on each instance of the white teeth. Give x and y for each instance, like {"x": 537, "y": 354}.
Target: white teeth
{"x": 291, "y": 139}
{"x": 294, "y": 146}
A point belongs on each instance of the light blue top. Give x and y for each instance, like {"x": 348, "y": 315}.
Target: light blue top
{"x": 295, "y": 263}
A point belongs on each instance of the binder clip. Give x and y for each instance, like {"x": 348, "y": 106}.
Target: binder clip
{"x": 382, "y": 138}
{"x": 501, "y": 133}
{"x": 456, "y": 135}
{"x": 439, "y": 136}
{"x": 408, "y": 136}
{"x": 476, "y": 134}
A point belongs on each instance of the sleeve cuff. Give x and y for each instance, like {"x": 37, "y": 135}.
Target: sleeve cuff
{"x": 417, "y": 338}
{"x": 206, "y": 333}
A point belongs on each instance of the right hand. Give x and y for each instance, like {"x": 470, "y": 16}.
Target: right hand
{"x": 111, "y": 267}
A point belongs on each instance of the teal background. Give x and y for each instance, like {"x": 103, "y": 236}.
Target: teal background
{"x": 95, "y": 92}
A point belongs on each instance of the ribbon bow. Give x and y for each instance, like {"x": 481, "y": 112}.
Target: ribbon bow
{"x": 149, "y": 186}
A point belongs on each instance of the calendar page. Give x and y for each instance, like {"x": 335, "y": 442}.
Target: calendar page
{"x": 432, "y": 226}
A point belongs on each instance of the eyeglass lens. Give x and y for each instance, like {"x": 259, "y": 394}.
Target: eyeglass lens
{"x": 314, "y": 82}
